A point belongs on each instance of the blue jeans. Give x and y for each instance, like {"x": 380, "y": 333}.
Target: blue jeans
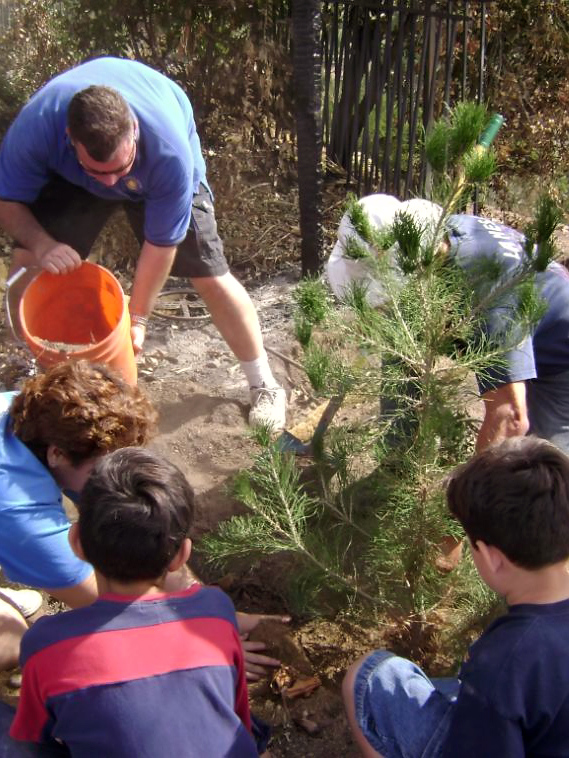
{"x": 548, "y": 408}
{"x": 10, "y": 748}
{"x": 401, "y": 712}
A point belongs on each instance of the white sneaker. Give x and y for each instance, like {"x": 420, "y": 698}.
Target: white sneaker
{"x": 268, "y": 407}
{"x": 27, "y": 602}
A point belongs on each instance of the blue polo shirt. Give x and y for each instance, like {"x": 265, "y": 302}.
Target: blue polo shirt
{"x": 545, "y": 352}
{"x": 169, "y": 165}
{"x": 34, "y": 548}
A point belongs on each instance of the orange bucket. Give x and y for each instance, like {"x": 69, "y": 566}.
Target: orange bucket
{"x": 80, "y": 315}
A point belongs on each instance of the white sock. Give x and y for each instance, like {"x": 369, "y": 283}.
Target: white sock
{"x": 258, "y": 372}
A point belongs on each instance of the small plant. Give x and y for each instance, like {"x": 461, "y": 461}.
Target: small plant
{"x": 372, "y": 522}
{"x": 313, "y": 304}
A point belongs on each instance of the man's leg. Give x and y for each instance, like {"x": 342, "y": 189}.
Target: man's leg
{"x": 235, "y": 316}
{"x": 233, "y": 313}
{"x": 200, "y": 257}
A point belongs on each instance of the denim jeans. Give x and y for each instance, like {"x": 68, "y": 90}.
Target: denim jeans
{"x": 401, "y": 712}
{"x": 10, "y": 748}
{"x": 548, "y": 408}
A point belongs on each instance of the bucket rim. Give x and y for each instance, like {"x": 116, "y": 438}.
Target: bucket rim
{"x": 41, "y": 350}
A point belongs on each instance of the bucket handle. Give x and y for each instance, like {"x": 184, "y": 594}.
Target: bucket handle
{"x": 13, "y": 297}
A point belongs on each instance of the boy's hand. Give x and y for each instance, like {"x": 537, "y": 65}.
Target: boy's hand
{"x": 254, "y": 663}
{"x": 246, "y": 622}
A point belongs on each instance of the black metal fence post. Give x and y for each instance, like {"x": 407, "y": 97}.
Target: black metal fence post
{"x": 306, "y": 30}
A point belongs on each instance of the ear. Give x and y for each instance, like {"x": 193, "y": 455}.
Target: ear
{"x": 55, "y": 457}
{"x": 182, "y": 556}
{"x": 75, "y": 542}
{"x": 492, "y": 557}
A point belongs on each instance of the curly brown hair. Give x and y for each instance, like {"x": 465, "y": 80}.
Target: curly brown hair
{"x": 83, "y": 409}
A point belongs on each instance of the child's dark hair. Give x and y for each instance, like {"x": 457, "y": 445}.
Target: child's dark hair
{"x": 134, "y": 513}
{"x": 515, "y": 496}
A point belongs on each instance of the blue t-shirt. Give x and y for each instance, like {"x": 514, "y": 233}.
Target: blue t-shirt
{"x": 514, "y": 695}
{"x": 138, "y": 676}
{"x": 546, "y": 351}
{"x": 34, "y": 548}
{"x": 169, "y": 165}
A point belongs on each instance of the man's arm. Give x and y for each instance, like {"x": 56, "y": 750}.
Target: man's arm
{"x": 19, "y": 222}
{"x": 505, "y": 415}
{"x": 152, "y": 269}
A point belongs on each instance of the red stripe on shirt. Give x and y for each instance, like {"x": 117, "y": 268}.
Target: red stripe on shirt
{"x": 118, "y": 656}
{"x": 123, "y": 655}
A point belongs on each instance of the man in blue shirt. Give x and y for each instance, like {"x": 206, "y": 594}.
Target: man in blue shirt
{"x": 111, "y": 132}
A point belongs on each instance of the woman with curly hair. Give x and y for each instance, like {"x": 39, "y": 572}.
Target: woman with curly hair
{"x": 51, "y": 434}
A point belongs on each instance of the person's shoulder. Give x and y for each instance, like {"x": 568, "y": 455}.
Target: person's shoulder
{"x": 208, "y": 596}
{"x": 6, "y": 399}
{"x": 521, "y": 636}
{"x": 48, "y": 631}
{"x": 198, "y": 601}
{"x": 108, "y": 63}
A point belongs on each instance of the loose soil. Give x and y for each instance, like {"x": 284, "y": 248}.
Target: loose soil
{"x": 63, "y": 347}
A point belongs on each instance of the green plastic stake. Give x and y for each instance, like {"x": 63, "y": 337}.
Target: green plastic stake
{"x": 488, "y": 135}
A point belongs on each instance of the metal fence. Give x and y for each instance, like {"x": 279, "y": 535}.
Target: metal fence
{"x": 388, "y": 69}
{"x": 6, "y": 7}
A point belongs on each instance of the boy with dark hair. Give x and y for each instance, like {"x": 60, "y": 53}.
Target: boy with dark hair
{"x": 512, "y": 697}
{"x": 141, "y": 672}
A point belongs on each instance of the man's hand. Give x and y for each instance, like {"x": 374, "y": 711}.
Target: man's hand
{"x": 60, "y": 259}
{"x": 137, "y": 335}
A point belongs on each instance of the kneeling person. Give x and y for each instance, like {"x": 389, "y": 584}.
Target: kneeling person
{"x": 512, "y": 696}
{"x": 142, "y": 671}
{"x": 51, "y": 434}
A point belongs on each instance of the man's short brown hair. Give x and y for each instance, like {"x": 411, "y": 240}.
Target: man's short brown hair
{"x": 100, "y": 119}
{"x": 83, "y": 409}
